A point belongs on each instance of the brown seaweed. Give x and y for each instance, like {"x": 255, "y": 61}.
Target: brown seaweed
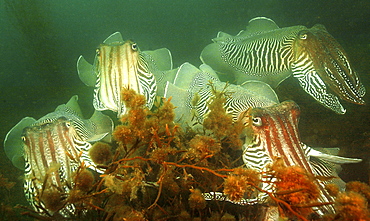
{"x": 156, "y": 170}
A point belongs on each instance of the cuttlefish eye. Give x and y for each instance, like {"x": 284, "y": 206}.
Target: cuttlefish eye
{"x": 303, "y": 36}
{"x": 23, "y": 138}
{"x": 68, "y": 124}
{"x": 97, "y": 52}
{"x": 134, "y": 46}
{"x": 257, "y": 121}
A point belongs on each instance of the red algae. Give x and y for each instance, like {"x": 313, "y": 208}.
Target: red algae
{"x": 202, "y": 147}
{"x": 52, "y": 200}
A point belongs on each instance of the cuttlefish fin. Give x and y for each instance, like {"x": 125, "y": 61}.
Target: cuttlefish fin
{"x": 222, "y": 37}
{"x": 328, "y": 150}
{"x": 86, "y": 72}
{"x": 103, "y": 127}
{"x": 185, "y": 75}
{"x": 162, "y": 58}
{"x": 207, "y": 69}
{"x": 255, "y": 26}
{"x": 262, "y": 89}
{"x": 13, "y": 144}
{"x": 71, "y": 107}
{"x": 116, "y": 37}
{"x": 332, "y": 158}
{"x": 163, "y": 78}
{"x": 258, "y": 25}
{"x": 170, "y": 75}
{"x": 315, "y": 86}
{"x": 179, "y": 98}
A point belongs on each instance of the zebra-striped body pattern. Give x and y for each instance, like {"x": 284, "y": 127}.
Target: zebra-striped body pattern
{"x": 271, "y": 54}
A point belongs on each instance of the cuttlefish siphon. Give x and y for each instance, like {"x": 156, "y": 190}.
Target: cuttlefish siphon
{"x": 50, "y": 150}
{"x": 271, "y": 54}
{"x": 119, "y": 64}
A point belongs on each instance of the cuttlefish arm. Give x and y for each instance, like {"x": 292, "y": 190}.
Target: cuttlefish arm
{"x": 13, "y": 144}
{"x": 323, "y": 69}
{"x": 313, "y": 84}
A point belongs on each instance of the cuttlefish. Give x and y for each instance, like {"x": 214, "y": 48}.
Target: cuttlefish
{"x": 271, "y": 54}
{"x": 191, "y": 92}
{"x": 50, "y": 150}
{"x": 272, "y": 135}
{"x": 119, "y": 64}
{"x": 271, "y": 129}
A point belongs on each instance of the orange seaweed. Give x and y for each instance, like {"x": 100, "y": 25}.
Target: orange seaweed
{"x": 157, "y": 171}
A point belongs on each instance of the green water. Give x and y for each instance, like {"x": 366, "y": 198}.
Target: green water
{"x": 40, "y": 42}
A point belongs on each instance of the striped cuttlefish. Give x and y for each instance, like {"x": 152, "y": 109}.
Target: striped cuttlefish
{"x": 272, "y": 134}
{"x": 119, "y": 64}
{"x": 50, "y": 150}
{"x": 271, "y": 54}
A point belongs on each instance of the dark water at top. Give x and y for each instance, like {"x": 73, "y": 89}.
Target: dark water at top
{"x": 40, "y": 42}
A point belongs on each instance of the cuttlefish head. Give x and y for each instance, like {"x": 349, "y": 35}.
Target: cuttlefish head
{"x": 320, "y": 64}
{"x": 274, "y": 131}
{"x": 273, "y": 136}
{"x": 111, "y": 54}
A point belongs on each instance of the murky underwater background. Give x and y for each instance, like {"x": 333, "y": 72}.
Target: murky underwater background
{"x": 40, "y": 42}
